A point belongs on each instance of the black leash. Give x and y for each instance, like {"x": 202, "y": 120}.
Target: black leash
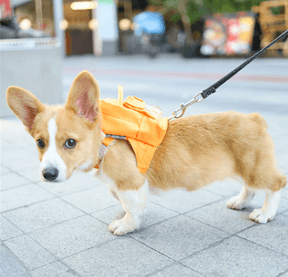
{"x": 206, "y": 92}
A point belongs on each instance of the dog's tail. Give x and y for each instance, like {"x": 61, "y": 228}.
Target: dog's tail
{"x": 259, "y": 119}
{"x": 283, "y": 181}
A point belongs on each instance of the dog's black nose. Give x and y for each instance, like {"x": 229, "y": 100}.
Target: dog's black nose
{"x": 50, "y": 173}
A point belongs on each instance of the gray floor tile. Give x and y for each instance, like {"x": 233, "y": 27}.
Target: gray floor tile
{"x": 182, "y": 201}
{"x": 41, "y": 215}
{"x": 29, "y": 252}
{"x": 225, "y": 188}
{"x": 174, "y": 271}
{"x": 179, "y": 237}
{"x": 21, "y": 162}
{"x": 273, "y": 235}
{"x": 25, "y": 195}
{"x": 77, "y": 182}
{"x": 237, "y": 257}
{"x": 155, "y": 214}
{"x": 17, "y": 136}
{"x": 4, "y": 170}
{"x": 14, "y": 153}
{"x": 281, "y": 162}
{"x": 73, "y": 236}
{"x": 108, "y": 215}
{"x": 8, "y": 230}
{"x": 11, "y": 180}
{"x": 2, "y": 274}
{"x": 10, "y": 152}
{"x": 56, "y": 269}
{"x": 152, "y": 215}
{"x": 32, "y": 174}
{"x": 92, "y": 200}
{"x": 285, "y": 274}
{"x": 10, "y": 266}
{"x": 123, "y": 257}
{"x": 218, "y": 215}
{"x": 285, "y": 192}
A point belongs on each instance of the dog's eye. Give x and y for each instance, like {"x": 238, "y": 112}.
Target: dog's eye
{"x": 70, "y": 143}
{"x": 40, "y": 143}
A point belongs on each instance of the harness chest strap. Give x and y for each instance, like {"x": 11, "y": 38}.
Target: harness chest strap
{"x": 144, "y": 154}
{"x": 101, "y": 154}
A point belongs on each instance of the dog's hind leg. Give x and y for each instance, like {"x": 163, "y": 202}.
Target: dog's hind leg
{"x": 269, "y": 209}
{"x": 272, "y": 183}
{"x": 242, "y": 200}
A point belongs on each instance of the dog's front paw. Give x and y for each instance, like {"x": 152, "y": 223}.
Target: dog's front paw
{"x": 120, "y": 227}
{"x": 236, "y": 203}
{"x": 259, "y": 216}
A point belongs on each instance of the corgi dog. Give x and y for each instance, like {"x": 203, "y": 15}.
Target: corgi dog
{"x": 196, "y": 151}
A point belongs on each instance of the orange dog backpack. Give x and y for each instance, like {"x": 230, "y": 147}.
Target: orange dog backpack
{"x": 136, "y": 122}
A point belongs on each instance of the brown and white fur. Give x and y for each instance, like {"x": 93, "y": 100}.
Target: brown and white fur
{"x": 196, "y": 151}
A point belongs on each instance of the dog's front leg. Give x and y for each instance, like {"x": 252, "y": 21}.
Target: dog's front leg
{"x": 134, "y": 203}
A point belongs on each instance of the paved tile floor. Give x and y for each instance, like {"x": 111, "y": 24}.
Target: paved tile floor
{"x": 52, "y": 230}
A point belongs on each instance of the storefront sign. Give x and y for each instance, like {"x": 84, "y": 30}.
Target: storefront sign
{"x": 228, "y": 34}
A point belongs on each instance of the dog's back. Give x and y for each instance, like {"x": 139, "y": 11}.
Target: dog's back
{"x": 201, "y": 149}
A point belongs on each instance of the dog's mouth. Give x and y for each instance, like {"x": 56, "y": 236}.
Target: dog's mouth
{"x": 48, "y": 181}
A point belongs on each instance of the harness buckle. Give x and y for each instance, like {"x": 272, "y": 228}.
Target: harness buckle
{"x": 180, "y": 112}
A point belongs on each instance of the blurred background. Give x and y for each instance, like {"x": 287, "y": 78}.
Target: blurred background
{"x": 43, "y": 41}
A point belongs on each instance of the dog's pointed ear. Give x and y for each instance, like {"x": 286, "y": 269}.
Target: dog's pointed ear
{"x": 84, "y": 97}
{"x": 24, "y": 105}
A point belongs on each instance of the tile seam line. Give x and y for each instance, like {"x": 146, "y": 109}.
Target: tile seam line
{"x": 90, "y": 214}
{"x": 183, "y": 213}
{"x": 2, "y": 212}
{"x": 70, "y": 219}
{"x": 15, "y": 187}
{"x": 76, "y": 253}
{"x": 17, "y": 259}
{"x": 89, "y": 248}
{"x": 212, "y": 245}
{"x": 55, "y": 257}
{"x": 139, "y": 231}
{"x": 55, "y": 224}
{"x": 285, "y": 255}
{"x": 167, "y": 266}
{"x": 17, "y": 172}
{"x": 62, "y": 263}
{"x": 41, "y": 229}
{"x": 208, "y": 204}
{"x": 280, "y": 274}
{"x": 231, "y": 234}
{"x": 71, "y": 204}
{"x": 162, "y": 254}
{"x": 27, "y": 269}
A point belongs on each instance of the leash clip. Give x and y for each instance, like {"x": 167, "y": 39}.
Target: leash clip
{"x": 180, "y": 112}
